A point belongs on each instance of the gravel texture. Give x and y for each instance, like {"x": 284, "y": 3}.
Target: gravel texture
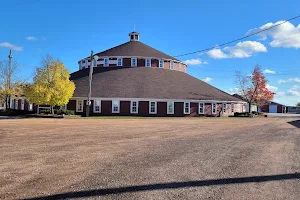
{"x": 151, "y": 158}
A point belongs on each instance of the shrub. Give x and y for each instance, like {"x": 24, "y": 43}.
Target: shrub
{"x": 65, "y": 112}
{"x": 46, "y": 111}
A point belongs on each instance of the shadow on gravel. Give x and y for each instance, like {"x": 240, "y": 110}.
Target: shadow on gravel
{"x": 295, "y": 123}
{"x": 171, "y": 185}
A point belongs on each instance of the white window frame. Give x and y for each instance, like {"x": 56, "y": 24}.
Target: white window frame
{"x": 224, "y": 107}
{"x": 22, "y": 104}
{"x": 132, "y": 59}
{"x": 201, "y": 105}
{"x": 131, "y": 107}
{"x": 172, "y": 65}
{"x": 232, "y": 108}
{"x": 189, "y": 111}
{"x": 30, "y": 107}
{"x": 121, "y": 63}
{"x": 168, "y": 104}
{"x": 146, "y": 61}
{"x": 63, "y": 107}
{"x": 112, "y": 106}
{"x": 16, "y": 104}
{"x": 94, "y": 107}
{"x": 77, "y": 108}
{"x": 106, "y": 62}
{"x": 179, "y": 66}
{"x": 161, "y": 63}
{"x": 155, "y": 107}
{"x": 12, "y": 104}
{"x": 212, "y": 108}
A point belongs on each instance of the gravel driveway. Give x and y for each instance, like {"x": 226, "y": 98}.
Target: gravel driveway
{"x": 181, "y": 158}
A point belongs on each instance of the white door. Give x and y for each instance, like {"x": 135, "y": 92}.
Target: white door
{"x": 272, "y": 108}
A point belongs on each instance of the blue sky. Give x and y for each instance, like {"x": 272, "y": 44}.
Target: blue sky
{"x": 69, "y": 30}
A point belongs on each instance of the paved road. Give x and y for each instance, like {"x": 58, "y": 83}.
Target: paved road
{"x": 165, "y": 159}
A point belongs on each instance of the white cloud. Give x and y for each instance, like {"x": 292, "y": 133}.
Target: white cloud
{"x": 286, "y": 35}
{"x": 294, "y": 93}
{"x": 271, "y": 88}
{"x": 240, "y": 50}
{"x": 31, "y": 38}
{"x": 268, "y": 71}
{"x": 280, "y": 94}
{"x": 217, "y": 54}
{"x": 295, "y": 87}
{"x": 11, "y": 46}
{"x": 207, "y": 79}
{"x": 285, "y": 99}
{"x": 233, "y": 91}
{"x": 289, "y": 80}
{"x": 196, "y": 61}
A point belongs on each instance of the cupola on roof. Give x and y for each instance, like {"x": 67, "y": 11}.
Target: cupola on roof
{"x": 134, "y": 36}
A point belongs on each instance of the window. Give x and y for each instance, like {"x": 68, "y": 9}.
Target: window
{"x": 224, "y": 108}
{"x": 214, "y": 108}
{"x": 63, "y": 107}
{"x": 232, "y": 108}
{"x": 148, "y": 62}
{"x": 179, "y": 66}
{"x": 115, "y": 106}
{"x": 201, "y": 108}
{"x": 133, "y": 62}
{"x": 119, "y": 62}
{"x": 132, "y": 37}
{"x": 79, "y": 106}
{"x": 152, "y": 107}
{"x": 22, "y": 104}
{"x": 16, "y": 104}
{"x": 106, "y": 62}
{"x": 97, "y": 106}
{"x": 161, "y": 64}
{"x": 134, "y": 107}
{"x": 186, "y": 108}
{"x": 170, "y": 107}
{"x": 30, "y": 107}
{"x": 171, "y": 65}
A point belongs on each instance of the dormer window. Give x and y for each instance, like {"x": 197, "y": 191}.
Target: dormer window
{"x": 119, "y": 62}
{"x": 171, "y": 65}
{"x": 161, "y": 64}
{"x": 133, "y": 62}
{"x": 106, "y": 62}
{"x": 148, "y": 62}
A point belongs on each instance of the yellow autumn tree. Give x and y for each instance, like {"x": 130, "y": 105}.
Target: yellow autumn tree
{"x": 51, "y": 85}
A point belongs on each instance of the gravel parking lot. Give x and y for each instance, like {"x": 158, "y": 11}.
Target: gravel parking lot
{"x": 150, "y": 158}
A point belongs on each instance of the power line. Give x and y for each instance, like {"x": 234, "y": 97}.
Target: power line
{"x": 226, "y": 43}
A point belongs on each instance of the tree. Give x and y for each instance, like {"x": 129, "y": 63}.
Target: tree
{"x": 253, "y": 87}
{"x": 298, "y": 104}
{"x": 10, "y": 84}
{"x": 51, "y": 86}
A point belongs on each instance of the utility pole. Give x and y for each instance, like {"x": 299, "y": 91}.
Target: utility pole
{"x": 88, "y": 102}
{"x": 9, "y": 78}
